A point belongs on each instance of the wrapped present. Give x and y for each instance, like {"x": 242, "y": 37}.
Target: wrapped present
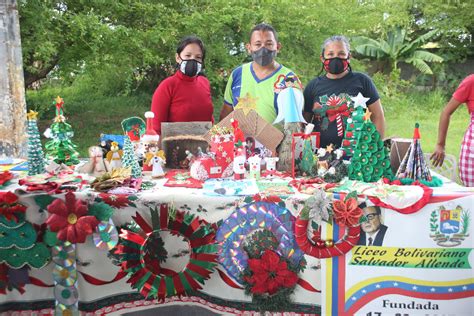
{"x": 207, "y": 167}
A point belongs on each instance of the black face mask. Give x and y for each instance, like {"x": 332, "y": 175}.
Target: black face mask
{"x": 336, "y": 65}
{"x": 190, "y": 67}
{"x": 263, "y": 56}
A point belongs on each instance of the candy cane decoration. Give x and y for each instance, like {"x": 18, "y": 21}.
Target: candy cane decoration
{"x": 340, "y": 126}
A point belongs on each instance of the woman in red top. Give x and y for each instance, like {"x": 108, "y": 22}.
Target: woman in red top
{"x": 186, "y": 95}
{"x": 463, "y": 94}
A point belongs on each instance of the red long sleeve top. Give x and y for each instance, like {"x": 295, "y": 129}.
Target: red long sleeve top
{"x": 180, "y": 98}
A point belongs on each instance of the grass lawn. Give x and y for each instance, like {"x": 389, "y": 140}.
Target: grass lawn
{"x": 91, "y": 116}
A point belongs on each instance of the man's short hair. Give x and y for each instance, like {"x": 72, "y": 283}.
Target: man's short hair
{"x": 264, "y": 27}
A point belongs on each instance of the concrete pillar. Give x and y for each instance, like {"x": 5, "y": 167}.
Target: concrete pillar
{"x": 12, "y": 88}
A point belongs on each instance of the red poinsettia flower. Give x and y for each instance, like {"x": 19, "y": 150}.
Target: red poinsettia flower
{"x": 9, "y": 205}
{"x": 70, "y": 220}
{"x": 347, "y": 212}
{"x": 115, "y": 200}
{"x": 269, "y": 274}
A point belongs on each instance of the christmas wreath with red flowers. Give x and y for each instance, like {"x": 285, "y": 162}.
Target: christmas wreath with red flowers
{"x": 345, "y": 213}
{"x": 140, "y": 253}
{"x": 269, "y": 277}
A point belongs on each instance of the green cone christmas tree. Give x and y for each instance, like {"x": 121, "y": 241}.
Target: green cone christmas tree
{"x": 354, "y": 124}
{"x": 370, "y": 161}
{"x": 35, "y": 149}
{"x": 129, "y": 159}
{"x": 60, "y": 148}
{"x": 18, "y": 244}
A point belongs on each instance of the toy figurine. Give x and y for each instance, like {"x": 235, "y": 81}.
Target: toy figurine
{"x": 114, "y": 156}
{"x": 149, "y": 141}
{"x": 97, "y": 165}
{"x": 157, "y": 162}
{"x": 254, "y": 166}
{"x": 239, "y": 165}
{"x": 271, "y": 166}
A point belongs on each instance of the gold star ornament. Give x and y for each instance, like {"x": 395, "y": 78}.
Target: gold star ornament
{"x": 32, "y": 115}
{"x": 246, "y": 104}
{"x": 367, "y": 115}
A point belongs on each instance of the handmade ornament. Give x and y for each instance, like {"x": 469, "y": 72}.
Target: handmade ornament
{"x": 134, "y": 128}
{"x": 96, "y": 166}
{"x": 242, "y": 223}
{"x": 179, "y": 137}
{"x": 303, "y": 149}
{"x": 346, "y": 214}
{"x": 370, "y": 161}
{"x": 60, "y": 148}
{"x": 239, "y": 138}
{"x": 65, "y": 279}
{"x": 270, "y": 168}
{"x": 413, "y": 165}
{"x": 270, "y": 279}
{"x": 35, "y": 149}
{"x": 18, "y": 238}
{"x": 111, "y": 180}
{"x": 141, "y": 258}
{"x": 130, "y": 160}
{"x": 239, "y": 165}
{"x": 254, "y": 167}
{"x": 181, "y": 178}
{"x": 53, "y": 183}
{"x": 338, "y": 168}
{"x": 290, "y": 108}
{"x": 261, "y": 137}
{"x": 105, "y": 236}
{"x": 157, "y": 162}
{"x": 114, "y": 156}
{"x": 218, "y": 162}
{"x": 353, "y": 125}
{"x": 246, "y": 104}
{"x": 70, "y": 219}
{"x": 149, "y": 141}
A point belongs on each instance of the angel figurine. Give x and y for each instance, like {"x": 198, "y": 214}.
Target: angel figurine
{"x": 156, "y": 163}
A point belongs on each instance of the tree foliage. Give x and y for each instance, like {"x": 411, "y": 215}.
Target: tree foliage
{"x": 398, "y": 47}
{"x": 122, "y": 46}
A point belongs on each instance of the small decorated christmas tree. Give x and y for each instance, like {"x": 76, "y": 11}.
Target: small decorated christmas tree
{"x": 60, "y": 148}
{"x": 354, "y": 124}
{"x": 370, "y": 161}
{"x": 35, "y": 149}
{"x": 129, "y": 159}
{"x": 413, "y": 165}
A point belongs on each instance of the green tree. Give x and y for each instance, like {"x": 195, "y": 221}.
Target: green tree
{"x": 398, "y": 47}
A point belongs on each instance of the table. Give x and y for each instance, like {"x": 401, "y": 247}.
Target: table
{"x": 117, "y": 297}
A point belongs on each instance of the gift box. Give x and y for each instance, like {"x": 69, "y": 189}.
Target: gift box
{"x": 207, "y": 167}
{"x": 223, "y": 148}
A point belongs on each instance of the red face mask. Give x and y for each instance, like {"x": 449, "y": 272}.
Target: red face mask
{"x": 336, "y": 65}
